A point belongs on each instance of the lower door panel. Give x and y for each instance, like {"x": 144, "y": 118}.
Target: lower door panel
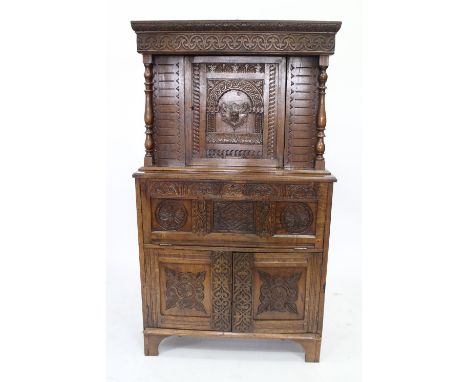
{"x": 188, "y": 289}
{"x": 275, "y": 293}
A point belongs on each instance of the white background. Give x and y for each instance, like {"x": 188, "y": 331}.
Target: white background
{"x": 71, "y": 101}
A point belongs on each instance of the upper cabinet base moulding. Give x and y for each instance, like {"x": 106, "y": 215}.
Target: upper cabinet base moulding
{"x": 234, "y": 199}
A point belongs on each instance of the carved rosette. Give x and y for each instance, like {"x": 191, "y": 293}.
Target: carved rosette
{"x": 242, "y": 292}
{"x": 171, "y": 215}
{"x": 221, "y": 283}
{"x": 278, "y": 293}
{"x": 296, "y": 218}
{"x": 185, "y": 290}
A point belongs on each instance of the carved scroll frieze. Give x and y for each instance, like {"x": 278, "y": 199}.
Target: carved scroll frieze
{"x": 221, "y": 285}
{"x": 236, "y": 42}
{"x": 278, "y": 293}
{"x": 242, "y": 292}
{"x": 185, "y": 290}
{"x": 217, "y": 190}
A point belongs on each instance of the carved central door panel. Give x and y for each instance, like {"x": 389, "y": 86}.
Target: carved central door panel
{"x": 235, "y": 110}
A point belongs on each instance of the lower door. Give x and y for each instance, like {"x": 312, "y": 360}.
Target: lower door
{"x": 266, "y": 292}
{"x": 275, "y": 292}
{"x": 188, "y": 289}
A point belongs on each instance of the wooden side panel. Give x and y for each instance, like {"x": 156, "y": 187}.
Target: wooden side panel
{"x": 168, "y": 99}
{"x": 301, "y": 112}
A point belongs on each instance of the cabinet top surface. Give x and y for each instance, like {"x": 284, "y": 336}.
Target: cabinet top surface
{"x": 235, "y": 25}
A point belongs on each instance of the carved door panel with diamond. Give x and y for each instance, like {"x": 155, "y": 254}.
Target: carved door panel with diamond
{"x": 188, "y": 289}
{"x": 235, "y": 110}
{"x": 275, "y": 292}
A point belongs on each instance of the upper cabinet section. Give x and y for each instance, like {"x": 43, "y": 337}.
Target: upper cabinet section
{"x": 235, "y": 93}
{"x": 236, "y": 37}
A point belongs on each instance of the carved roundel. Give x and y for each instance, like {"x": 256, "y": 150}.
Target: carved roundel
{"x": 171, "y": 214}
{"x": 296, "y": 217}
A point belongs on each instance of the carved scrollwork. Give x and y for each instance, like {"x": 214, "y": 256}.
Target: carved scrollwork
{"x": 201, "y": 217}
{"x": 278, "y": 42}
{"x": 185, "y": 290}
{"x": 171, "y": 215}
{"x": 278, "y": 293}
{"x": 242, "y": 292}
{"x": 221, "y": 280}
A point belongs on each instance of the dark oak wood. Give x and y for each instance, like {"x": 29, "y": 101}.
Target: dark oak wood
{"x": 234, "y": 201}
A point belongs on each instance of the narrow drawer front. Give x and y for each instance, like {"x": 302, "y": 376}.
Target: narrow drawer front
{"x": 220, "y": 213}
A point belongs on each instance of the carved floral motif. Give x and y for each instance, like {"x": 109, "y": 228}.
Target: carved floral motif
{"x": 185, "y": 290}
{"x": 171, "y": 214}
{"x": 221, "y": 273}
{"x": 296, "y": 218}
{"x": 242, "y": 292}
{"x": 278, "y": 293}
{"x": 233, "y": 217}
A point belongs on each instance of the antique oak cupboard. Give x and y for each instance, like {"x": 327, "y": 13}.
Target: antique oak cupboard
{"x": 234, "y": 200}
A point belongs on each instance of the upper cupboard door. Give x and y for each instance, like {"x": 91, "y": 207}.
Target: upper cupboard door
{"x": 235, "y": 111}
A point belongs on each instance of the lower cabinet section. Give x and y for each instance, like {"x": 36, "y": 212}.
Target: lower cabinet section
{"x": 232, "y": 291}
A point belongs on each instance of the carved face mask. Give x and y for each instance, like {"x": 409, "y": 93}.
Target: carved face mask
{"x": 234, "y": 114}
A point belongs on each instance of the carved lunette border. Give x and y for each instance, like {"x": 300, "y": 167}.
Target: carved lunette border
{"x": 228, "y": 42}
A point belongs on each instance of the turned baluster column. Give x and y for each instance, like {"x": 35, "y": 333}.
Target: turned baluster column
{"x": 321, "y": 115}
{"x": 149, "y": 116}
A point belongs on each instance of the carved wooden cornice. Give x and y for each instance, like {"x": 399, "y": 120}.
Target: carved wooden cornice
{"x": 236, "y": 37}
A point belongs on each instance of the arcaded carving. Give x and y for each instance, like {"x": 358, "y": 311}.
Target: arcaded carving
{"x": 236, "y": 68}
{"x": 242, "y": 292}
{"x": 278, "y": 293}
{"x": 296, "y": 218}
{"x": 171, "y": 215}
{"x": 221, "y": 280}
{"x": 185, "y": 290}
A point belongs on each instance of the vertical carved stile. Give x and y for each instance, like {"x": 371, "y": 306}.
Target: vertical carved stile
{"x": 321, "y": 116}
{"x": 242, "y": 292}
{"x": 221, "y": 291}
{"x": 271, "y": 111}
{"x": 149, "y": 115}
{"x": 196, "y": 109}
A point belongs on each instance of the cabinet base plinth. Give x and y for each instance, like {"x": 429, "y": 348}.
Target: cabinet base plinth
{"x": 309, "y": 341}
